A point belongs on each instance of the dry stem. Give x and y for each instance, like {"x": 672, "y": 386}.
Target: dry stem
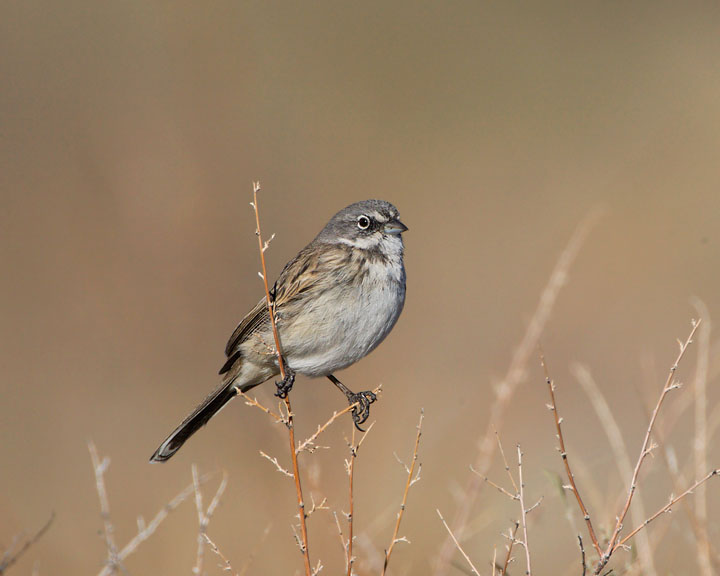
{"x": 521, "y": 497}
{"x": 281, "y": 364}
{"x": 564, "y": 456}
{"x": 670, "y": 384}
{"x": 665, "y": 509}
{"x": 701, "y": 439}
{"x": 508, "y": 557}
{"x": 622, "y": 458}
{"x": 411, "y": 479}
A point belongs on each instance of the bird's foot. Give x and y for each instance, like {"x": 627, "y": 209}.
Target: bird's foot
{"x": 361, "y": 412}
{"x": 286, "y": 384}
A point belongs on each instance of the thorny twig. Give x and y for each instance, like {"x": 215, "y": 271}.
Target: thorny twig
{"x": 304, "y": 547}
{"x": 412, "y": 478}
{"x": 521, "y": 496}
{"x": 309, "y": 445}
{"x": 563, "y": 454}
{"x": 512, "y": 535}
{"x": 670, "y": 384}
{"x": 350, "y": 467}
{"x": 622, "y": 458}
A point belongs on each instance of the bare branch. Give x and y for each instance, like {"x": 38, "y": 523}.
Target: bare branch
{"x": 622, "y": 458}
{"x": 304, "y": 547}
{"x": 410, "y": 481}
{"x": 564, "y": 456}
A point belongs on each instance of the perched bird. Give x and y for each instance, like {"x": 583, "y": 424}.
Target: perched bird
{"x": 334, "y": 303}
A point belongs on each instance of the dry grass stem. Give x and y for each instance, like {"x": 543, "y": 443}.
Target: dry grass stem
{"x": 11, "y": 555}
{"x": 412, "y": 478}
{"x": 622, "y": 458}
{"x": 670, "y": 384}
{"x": 459, "y": 547}
{"x": 563, "y": 454}
{"x": 515, "y": 375}
{"x": 304, "y": 547}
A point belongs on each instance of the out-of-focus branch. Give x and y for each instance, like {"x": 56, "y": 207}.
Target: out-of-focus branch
{"x": 515, "y": 375}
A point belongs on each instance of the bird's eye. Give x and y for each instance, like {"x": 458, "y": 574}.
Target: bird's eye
{"x": 363, "y": 222}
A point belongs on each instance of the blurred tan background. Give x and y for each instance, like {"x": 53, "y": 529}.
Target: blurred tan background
{"x": 130, "y": 133}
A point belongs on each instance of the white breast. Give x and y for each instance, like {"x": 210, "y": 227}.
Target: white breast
{"x": 345, "y": 324}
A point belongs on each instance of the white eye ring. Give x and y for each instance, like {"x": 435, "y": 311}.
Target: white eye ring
{"x": 363, "y": 222}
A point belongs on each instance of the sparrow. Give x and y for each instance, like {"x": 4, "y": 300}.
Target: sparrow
{"x": 334, "y": 303}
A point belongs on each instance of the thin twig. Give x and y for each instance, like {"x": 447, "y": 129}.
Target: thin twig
{"x": 227, "y": 567}
{"x": 254, "y": 402}
{"x": 411, "y": 479}
{"x": 350, "y": 466}
{"x": 515, "y": 375}
{"x": 508, "y": 557}
{"x": 458, "y": 546}
{"x": 582, "y": 555}
{"x": 304, "y": 547}
{"x": 670, "y": 384}
{"x": 702, "y": 540}
{"x": 622, "y": 458}
{"x": 309, "y": 443}
{"x": 526, "y": 543}
{"x": 564, "y": 456}
{"x": 667, "y": 507}
{"x": 100, "y": 467}
{"x": 10, "y": 556}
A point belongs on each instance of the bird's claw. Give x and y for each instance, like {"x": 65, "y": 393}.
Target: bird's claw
{"x": 361, "y": 412}
{"x": 286, "y": 384}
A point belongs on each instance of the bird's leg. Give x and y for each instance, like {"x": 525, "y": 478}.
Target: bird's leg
{"x": 286, "y": 384}
{"x": 361, "y": 412}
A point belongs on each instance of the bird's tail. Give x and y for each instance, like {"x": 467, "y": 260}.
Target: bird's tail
{"x": 196, "y": 420}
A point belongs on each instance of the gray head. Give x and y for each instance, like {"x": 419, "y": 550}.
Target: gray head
{"x": 364, "y": 225}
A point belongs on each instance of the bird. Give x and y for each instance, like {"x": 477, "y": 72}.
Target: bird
{"x": 333, "y": 303}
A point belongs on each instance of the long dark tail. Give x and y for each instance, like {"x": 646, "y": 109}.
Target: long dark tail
{"x": 196, "y": 420}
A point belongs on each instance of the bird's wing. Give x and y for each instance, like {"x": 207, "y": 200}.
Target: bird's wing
{"x": 307, "y": 270}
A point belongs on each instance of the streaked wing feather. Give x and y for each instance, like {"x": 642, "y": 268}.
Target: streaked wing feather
{"x": 301, "y": 274}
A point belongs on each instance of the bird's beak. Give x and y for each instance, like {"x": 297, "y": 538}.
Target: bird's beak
{"x": 395, "y": 227}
